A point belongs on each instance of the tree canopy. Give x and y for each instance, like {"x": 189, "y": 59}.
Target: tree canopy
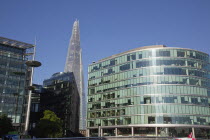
{"x": 5, "y": 125}
{"x": 50, "y": 126}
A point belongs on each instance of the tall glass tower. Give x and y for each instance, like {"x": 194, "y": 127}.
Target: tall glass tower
{"x": 74, "y": 64}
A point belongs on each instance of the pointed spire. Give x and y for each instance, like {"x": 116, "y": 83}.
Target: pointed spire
{"x": 74, "y": 48}
{"x": 76, "y": 24}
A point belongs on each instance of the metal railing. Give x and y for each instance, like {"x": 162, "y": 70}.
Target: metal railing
{"x": 113, "y": 138}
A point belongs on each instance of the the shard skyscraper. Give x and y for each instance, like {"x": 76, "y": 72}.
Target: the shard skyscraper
{"x": 74, "y": 64}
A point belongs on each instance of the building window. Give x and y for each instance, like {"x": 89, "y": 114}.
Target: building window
{"x": 147, "y": 100}
{"x": 143, "y": 64}
{"x": 92, "y": 91}
{"x": 151, "y": 120}
{"x": 125, "y": 67}
{"x": 128, "y": 58}
{"x": 112, "y": 62}
{"x": 133, "y": 56}
{"x": 140, "y": 56}
{"x": 180, "y": 54}
{"x": 167, "y": 120}
{"x": 163, "y": 53}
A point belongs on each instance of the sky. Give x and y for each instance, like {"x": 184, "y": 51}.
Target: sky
{"x": 107, "y": 27}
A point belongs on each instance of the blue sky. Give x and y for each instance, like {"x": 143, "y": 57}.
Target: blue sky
{"x": 107, "y": 27}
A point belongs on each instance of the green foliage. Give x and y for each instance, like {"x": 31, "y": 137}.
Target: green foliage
{"x": 50, "y": 126}
{"x": 13, "y": 133}
{"x": 5, "y": 125}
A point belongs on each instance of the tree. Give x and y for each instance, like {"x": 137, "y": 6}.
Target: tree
{"x": 5, "y": 125}
{"x": 50, "y": 126}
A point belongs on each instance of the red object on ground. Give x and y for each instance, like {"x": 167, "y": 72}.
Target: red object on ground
{"x": 190, "y": 135}
{"x": 184, "y": 139}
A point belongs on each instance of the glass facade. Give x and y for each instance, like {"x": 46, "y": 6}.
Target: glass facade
{"x": 149, "y": 89}
{"x": 62, "y": 97}
{"x": 14, "y": 78}
{"x": 74, "y": 64}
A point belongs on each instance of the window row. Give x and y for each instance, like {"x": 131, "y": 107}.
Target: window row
{"x": 11, "y": 55}
{"x": 150, "y": 109}
{"x": 11, "y": 89}
{"x": 151, "y": 90}
{"x": 11, "y": 49}
{"x": 148, "y": 71}
{"x": 149, "y": 63}
{"x": 11, "y": 99}
{"x": 12, "y": 82}
{"x": 176, "y": 80}
{"x": 8, "y": 72}
{"x": 11, "y": 108}
{"x": 144, "y": 119}
{"x": 120, "y": 102}
{"x": 148, "y": 54}
{"x": 12, "y": 64}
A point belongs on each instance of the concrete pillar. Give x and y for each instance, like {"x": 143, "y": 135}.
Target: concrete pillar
{"x": 99, "y": 131}
{"x": 115, "y": 131}
{"x": 167, "y": 131}
{"x": 88, "y": 133}
{"x": 156, "y": 131}
{"x": 132, "y": 131}
{"x": 193, "y": 132}
{"x": 102, "y": 134}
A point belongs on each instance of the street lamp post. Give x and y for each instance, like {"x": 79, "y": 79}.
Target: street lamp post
{"x": 31, "y": 63}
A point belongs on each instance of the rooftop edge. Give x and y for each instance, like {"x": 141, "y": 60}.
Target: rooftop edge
{"x": 15, "y": 43}
{"x": 139, "y": 48}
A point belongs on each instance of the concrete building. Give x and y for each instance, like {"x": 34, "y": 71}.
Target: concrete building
{"x": 15, "y": 78}
{"x": 62, "y": 97}
{"x": 74, "y": 64}
{"x": 150, "y": 91}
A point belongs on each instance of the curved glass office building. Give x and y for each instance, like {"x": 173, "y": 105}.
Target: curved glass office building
{"x": 150, "y": 91}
